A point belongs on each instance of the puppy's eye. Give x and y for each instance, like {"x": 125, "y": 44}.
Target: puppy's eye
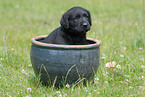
{"x": 85, "y": 15}
{"x": 77, "y": 16}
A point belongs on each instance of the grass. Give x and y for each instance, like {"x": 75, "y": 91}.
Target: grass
{"x": 118, "y": 24}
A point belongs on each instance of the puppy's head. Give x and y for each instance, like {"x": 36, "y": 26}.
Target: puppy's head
{"x": 76, "y": 20}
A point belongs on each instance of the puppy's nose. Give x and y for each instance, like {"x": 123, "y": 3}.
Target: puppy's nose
{"x": 85, "y": 25}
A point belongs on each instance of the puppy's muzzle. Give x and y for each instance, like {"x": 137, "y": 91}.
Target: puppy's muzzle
{"x": 85, "y": 25}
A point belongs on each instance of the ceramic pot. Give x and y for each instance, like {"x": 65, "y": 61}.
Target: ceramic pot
{"x": 61, "y": 64}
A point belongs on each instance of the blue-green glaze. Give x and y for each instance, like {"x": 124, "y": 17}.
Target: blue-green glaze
{"x": 65, "y": 64}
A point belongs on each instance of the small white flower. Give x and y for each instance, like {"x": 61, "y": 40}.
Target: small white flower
{"x": 121, "y": 55}
{"x": 23, "y": 70}
{"x": 1, "y": 58}
{"x": 127, "y": 80}
{"x": 29, "y": 89}
{"x": 97, "y": 79}
{"x": 65, "y": 95}
{"x": 124, "y": 48}
{"x": 111, "y": 79}
{"x": 140, "y": 86}
{"x": 86, "y": 89}
{"x": 140, "y": 48}
{"x": 107, "y": 72}
{"x": 118, "y": 66}
{"x": 126, "y": 83}
{"x": 130, "y": 87}
{"x": 98, "y": 92}
{"x": 142, "y": 77}
{"x": 103, "y": 57}
{"x": 30, "y": 65}
{"x": 142, "y": 59}
{"x": 67, "y": 85}
{"x": 12, "y": 49}
{"x": 58, "y": 92}
{"x": 60, "y": 95}
{"x": 142, "y": 66}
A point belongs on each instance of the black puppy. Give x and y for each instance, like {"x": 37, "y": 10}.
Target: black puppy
{"x": 74, "y": 25}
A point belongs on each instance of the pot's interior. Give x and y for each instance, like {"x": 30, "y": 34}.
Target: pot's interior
{"x": 37, "y": 42}
{"x": 42, "y": 38}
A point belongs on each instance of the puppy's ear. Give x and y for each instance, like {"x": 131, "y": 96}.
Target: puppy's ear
{"x": 64, "y": 20}
{"x": 90, "y": 19}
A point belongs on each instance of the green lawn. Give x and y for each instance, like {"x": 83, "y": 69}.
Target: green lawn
{"x": 118, "y": 24}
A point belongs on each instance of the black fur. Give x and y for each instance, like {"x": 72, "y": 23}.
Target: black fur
{"x": 74, "y": 25}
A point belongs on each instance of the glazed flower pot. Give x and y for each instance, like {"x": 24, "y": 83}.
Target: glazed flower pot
{"x": 64, "y": 64}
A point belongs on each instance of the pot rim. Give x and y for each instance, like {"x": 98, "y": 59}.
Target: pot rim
{"x": 34, "y": 41}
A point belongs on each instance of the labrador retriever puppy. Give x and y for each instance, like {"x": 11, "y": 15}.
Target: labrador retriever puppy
{"x": 74, "y": 25}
